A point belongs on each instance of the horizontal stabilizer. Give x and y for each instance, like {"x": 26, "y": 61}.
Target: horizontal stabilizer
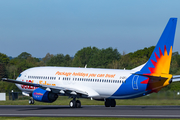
{"x": 176, "y": 78}
{"x": 153, "y": 77}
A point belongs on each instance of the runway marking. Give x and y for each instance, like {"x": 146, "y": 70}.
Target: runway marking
{"x": 87, "y": 115}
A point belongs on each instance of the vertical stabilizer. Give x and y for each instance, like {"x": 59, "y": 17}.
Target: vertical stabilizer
{"x": 159, "y": 62}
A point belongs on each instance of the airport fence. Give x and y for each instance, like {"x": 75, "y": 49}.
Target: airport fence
{"x": 16, "y": 96}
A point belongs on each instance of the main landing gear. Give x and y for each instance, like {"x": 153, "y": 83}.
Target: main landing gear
{"x": 110, "y": 103}
{"x": 31, "y": 101}
{"x": 75, "y": 103}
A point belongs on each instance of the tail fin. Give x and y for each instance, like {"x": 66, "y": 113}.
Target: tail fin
{"x": 159, "y": 62}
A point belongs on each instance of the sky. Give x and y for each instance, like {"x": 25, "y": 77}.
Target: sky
{"x": 66, "y": 26}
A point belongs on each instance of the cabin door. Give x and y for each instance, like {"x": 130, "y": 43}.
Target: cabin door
{"x": 135, "y": 82}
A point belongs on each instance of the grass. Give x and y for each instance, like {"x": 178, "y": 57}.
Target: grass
{"x": 161, "y": 98}
{"x": 63, "y": 100}
{"x": 77, "y": 118}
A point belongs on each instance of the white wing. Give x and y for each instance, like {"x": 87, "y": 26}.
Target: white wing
{"x": 87, "y": 92}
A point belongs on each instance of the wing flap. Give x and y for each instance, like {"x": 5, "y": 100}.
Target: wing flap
{"x": 64, "y": 89}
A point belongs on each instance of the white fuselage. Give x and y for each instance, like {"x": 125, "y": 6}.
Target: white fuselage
{"x": 98, "y": 83}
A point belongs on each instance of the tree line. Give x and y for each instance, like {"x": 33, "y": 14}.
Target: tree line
{"x": 90, "y": 56}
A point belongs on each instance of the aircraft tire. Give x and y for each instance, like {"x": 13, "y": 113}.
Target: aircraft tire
{"x": 78, "y": 103}
{"x": 113, "y": 103}
{"x": 72, "y": 103}
{"x": 31, "y": 101}
{"x": 107, "y": 103}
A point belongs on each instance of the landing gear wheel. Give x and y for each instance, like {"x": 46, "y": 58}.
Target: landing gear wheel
{"x": 78, "y": 103}
{"x": 110, "y": 103}
{"x": 107, "y": 103}
{"x": 72, "y": 103}
{"x": 31, "y": 101}
{"x": 113, "y": 103}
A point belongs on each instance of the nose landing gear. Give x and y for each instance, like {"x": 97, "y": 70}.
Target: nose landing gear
{"x": 31, "y": 101}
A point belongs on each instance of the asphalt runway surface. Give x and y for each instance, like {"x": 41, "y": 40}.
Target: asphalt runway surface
{"x": 90, "y": 111}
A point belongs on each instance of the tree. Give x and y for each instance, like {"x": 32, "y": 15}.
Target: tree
{"x": 3, "y": 72}
{"x": 95, "y": 57}
{"x": 136, "y": 58}
{"x": 59, "y": 60}
{"x": 146, "y": 52}
{"x": 4, "y": 59}
{"x": 12, "y": 71}
{"x": 24, "y": 55}
{"x": 104, "y": 57}
{"x": 21, "y": 63}
{"x": 47, "y": 57}
{"x": 82, "y": 57}
{"x": 67, "y": 61}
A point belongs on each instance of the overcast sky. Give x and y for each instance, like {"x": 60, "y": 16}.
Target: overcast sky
{"x": 66, "y": 26}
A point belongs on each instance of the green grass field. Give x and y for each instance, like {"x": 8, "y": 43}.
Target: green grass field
{"x": 160, "y": 98}
{"x": 78, "y": 118}
{"x": 63, "y": 100}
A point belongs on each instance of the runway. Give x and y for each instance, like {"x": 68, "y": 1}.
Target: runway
{"x": 90, "y": 111}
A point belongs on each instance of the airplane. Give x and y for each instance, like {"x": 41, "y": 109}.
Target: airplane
{"x": 45, "y": 84}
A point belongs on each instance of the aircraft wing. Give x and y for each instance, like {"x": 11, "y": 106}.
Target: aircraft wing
{"x": 57, "y": 89}
{"x": 176, "y": 78}
{"x": 20, "y": 82}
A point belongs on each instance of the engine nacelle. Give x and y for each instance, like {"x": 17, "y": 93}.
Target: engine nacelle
{"x": 44, "y": 96}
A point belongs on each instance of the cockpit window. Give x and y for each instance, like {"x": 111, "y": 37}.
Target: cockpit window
{"x": 19, "y": 75}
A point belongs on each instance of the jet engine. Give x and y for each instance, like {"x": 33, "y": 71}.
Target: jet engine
{"x": 44, "y": 95}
